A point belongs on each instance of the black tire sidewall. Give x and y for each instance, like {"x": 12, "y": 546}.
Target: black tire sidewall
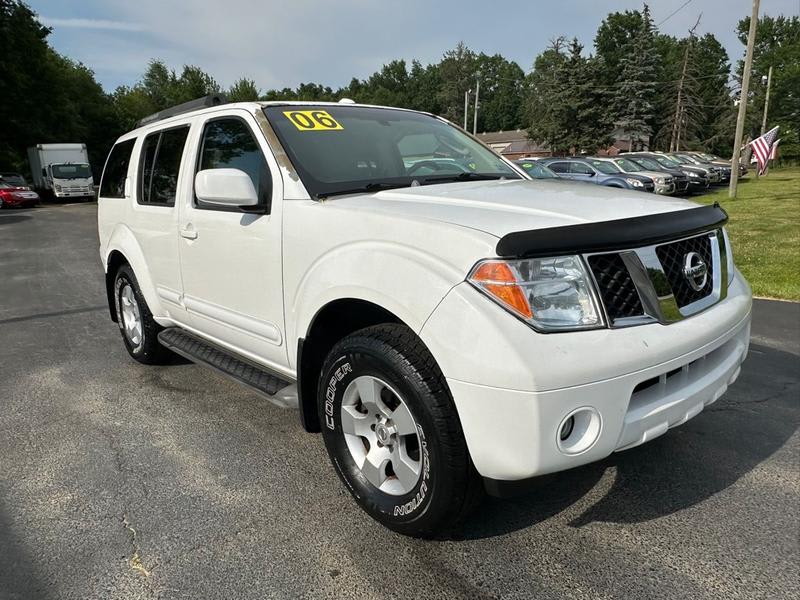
{"x": 341, "y": 368}
{"x": 150, "y": 351}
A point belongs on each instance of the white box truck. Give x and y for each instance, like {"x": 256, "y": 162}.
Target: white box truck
{"x": 61, "y": 170}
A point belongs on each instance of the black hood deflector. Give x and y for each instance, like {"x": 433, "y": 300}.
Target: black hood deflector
{"x": 619, "y": 234}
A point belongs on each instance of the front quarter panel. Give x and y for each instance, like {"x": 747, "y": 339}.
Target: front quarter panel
{"x": 406, "y": 266}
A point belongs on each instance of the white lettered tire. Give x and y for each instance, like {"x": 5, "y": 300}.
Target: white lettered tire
{"x": 393, "y": 434}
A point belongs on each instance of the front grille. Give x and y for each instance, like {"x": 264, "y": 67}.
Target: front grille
{"x": 616, "y": 286}
{"x": 672, "y": 257}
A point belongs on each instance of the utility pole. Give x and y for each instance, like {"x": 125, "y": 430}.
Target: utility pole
{"x": 466, "y": 107}
{"x": 674, "y": 143}
{"x": 766, "y": 102}
{"x": 477, "y": 99}
{"x": 748, "y": 65}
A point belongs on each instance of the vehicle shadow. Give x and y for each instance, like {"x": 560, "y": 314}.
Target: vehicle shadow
{"x": 18, "y": 576}
{"x": 9, "y": 219}
{"x": 676, "y": 471}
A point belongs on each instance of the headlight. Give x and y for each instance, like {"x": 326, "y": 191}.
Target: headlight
{"x": 728, "y": 254}
{"x": 58, "y": 188}
{"x": 661, "y": 180}
{"x": 690, "y": 174}
{"x": 633, "y": 182}
{"x": 551, "y": 294}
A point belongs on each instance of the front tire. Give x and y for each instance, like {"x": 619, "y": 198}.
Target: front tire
{"x": 136, "y": 324}
{"x": 393, "y": 433}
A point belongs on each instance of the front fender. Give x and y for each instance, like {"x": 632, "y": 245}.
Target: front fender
{"x": 401, "y": 279}
{"x": 123, "y": 241}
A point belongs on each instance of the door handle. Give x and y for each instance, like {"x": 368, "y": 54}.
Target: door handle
{"x": 189, "y": 233}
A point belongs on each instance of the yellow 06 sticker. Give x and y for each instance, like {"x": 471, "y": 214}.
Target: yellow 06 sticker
{"x": 312, "y": 120}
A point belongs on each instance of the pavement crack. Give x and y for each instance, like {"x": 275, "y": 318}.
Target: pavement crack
{"x": 135, "y": 561}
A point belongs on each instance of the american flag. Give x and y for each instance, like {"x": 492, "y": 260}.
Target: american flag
{"x": 773, "y": 152}
{"x": 762, "y": 147}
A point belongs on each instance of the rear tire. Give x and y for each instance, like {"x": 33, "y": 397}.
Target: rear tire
{"x": 136, "y": 324}
{"x": 393, "y": 433}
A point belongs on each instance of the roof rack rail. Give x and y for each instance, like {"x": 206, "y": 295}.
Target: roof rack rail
{"x": 197, "y": 104}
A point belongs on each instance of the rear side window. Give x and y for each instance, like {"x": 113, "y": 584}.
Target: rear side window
{"x": 113, "y": 183}
{"x": 161, "y": 162}
{"x": 559, "y": 167}
{"x": 228, "y": 144}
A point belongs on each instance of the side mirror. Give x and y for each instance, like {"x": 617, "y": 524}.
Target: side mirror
{"x": 225, "y": 188}
{"x": 44, "y": 172}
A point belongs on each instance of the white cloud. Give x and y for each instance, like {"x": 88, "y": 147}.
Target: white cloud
{"x": 91, "y": 24}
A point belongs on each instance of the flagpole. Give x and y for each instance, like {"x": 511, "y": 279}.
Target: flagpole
{"x": 748, "y": 65}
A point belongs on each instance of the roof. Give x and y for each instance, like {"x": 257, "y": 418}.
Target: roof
{"x": 497, "y": 137}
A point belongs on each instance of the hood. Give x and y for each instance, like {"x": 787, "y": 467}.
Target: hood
{"x": 502, "y": 207}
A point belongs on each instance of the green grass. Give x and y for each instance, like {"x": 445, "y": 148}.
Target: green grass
{"x": 764, "y": 228}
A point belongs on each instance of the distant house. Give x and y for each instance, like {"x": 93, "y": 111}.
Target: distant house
{"x": 622, "y": 143}
{"x": 513, "y": 144}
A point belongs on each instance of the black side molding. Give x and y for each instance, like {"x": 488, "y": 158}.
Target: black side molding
{"x": 611, "y": 235}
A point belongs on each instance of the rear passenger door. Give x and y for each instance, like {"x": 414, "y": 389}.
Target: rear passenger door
{"x": 581, "y": 172}
{"x": 231, "y": 260}
{"x": 155, "y": 214}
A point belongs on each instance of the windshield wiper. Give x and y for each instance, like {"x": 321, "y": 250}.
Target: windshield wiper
{"x": 462, "y": 177}
{"x": 375, "y": 186}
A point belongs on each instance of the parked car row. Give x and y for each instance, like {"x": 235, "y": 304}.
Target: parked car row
{"x": 677, "y": 173}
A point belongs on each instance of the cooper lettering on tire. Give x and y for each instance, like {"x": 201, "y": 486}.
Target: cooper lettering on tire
{"x": 392, "y": 431}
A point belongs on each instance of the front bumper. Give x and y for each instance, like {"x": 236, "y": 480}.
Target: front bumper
{"x": 513, "y": 393}
{"x": 665, "y": 189}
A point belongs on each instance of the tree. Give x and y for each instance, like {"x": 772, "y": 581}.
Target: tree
{"x": 501, "y": 95}
{"x": 45, "y": 97}
{"x": 243, "y": 90}
{"x": 457, "y": 74}
{"x": 547, "y": 112}
{"x": 635, "y": 94}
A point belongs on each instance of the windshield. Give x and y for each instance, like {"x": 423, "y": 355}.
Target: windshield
{"x": 346, "y": 149}
{"x": 537, "y": 170}
{"x": 627, "y": 165}
{"x": 605, "y": 167}
{"x": 667, "y": 161}
{"x": 13, "y": 179}
{"x": 70, "y": 171}
{"x": 648, "y": 163}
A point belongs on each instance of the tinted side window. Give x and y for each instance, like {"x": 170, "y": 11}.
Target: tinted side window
{"x": 229, "y": 144}
{"x": 580, "y": 168}
{"x": 559, "y": 167}
{"x": 112, "y": 184}
{"x": 161, "y": 161}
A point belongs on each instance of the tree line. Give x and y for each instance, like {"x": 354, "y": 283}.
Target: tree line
{"x": 635, "y": 83}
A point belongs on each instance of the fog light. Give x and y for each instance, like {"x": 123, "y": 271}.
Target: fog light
{"x": 566, "y": 428}
{"x": 579, "y": 430}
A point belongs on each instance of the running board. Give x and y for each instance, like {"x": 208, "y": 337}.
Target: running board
{"x": 278, "y": 389}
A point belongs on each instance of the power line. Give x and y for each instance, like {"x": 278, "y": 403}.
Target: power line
{"x": 673, "y": 13}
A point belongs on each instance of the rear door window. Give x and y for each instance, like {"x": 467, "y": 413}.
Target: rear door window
{"x": 580, "y": 169}
{"x": 160, "y": 166}
{"x": 559, "y": 167}
{"x": 112, "y": 184}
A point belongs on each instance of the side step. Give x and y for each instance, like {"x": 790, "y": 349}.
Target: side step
{"x": 276, "y": 388}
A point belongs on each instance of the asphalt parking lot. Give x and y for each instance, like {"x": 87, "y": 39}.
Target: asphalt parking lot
{"x": 124, "y": 481}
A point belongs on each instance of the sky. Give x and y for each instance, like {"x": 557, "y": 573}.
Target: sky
{"x": 283, "y": 43}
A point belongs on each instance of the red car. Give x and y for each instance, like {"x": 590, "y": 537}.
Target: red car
{"x": 16, "y": 196}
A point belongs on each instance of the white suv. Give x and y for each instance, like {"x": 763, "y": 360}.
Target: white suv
{"x": 448, "y": 324}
